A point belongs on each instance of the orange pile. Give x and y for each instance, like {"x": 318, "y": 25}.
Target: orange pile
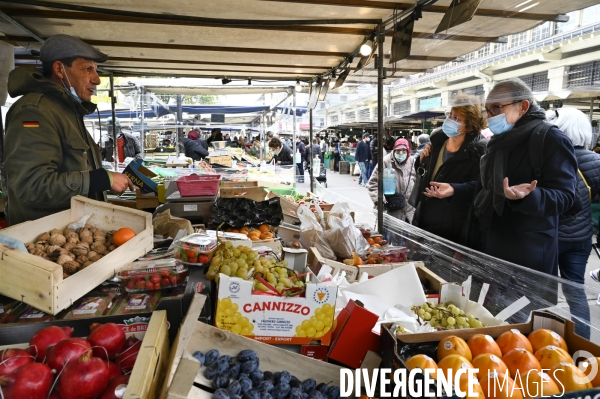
{"x": 262, "y": 233}
{"x": 516, "y": 359}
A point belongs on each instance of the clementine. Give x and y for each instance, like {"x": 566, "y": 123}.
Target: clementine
{"x": 487, "y": 362}
{"x": 549, "y": 355}
{"x": 544, "y": 337}
{"x": 512, "y": 339}
{"x": 483, "y": 343}
{"x": 588, "y": 366}
{"x": 500, "y": 386}
{"x": 453, "y": 345}
{"x": 263, "y": 228}
{"x": 570, "y": 377}
{"x": 123, "y": 235}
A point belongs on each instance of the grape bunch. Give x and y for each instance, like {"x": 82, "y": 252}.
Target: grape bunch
{"x": 232, "y": 261}
{"x": 276, "y": 274}
{"x": 446, "y": 316}
{"x": 318, "y": 325}
{"x": 228, "y": 318}
{"x": 240, "y": 378}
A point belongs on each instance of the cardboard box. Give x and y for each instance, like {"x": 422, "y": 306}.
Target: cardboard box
{"x": 273, "y": 319}
{"x": 185, "y": 377}
{"x": 254, "y": 193}
{"x": 395, "y": 350}
{"x": 39, "y": 282}
{"x": 288, "y": 234}
{"x": 239, "y": 183}
{"x": 353, "y": 336}
{"x": 141, "y": 177}
{"x": 317, "y": 352}
{"x": 224, "y": 160}
{"x": 296, "y": 258}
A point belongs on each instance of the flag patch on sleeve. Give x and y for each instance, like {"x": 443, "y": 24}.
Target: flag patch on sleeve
{"x": 31, "y": 124}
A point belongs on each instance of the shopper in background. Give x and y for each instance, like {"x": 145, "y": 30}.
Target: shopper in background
{"x": 373, "y": 147}
{"x": 300, "y": 148}
{"x": 389, "y": 141}
{"x": 282, "y": 153}
{"x": 215, "y": 135}
{"x": 363, "y": 157}
{"x": 324, "y": 148}
{"x": 128, "y": 146}
{"x": 424, "y": 141}
{"x": 452, "y": 157}
{"x": 575, "y": 235}
{"x": 316, "y": 151}
{"x": 403, "y": 165}
{"x": 49, "y": 156}
{"x": 517, "y": 207}
{"x": 337, "y": 153}
{"x": 194, "y": 146}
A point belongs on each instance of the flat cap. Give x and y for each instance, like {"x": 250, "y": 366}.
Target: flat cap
{"x": 60, "y": 47}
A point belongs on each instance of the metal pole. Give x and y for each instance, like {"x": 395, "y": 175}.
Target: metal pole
{"x": 312, "y": 156}
{"x": 592, "y": 111}
{"x": 114, "y": 121}
{"x": 142, "y": 132}
{"x": 179, "y": 147}
{"x": 294, "y": 134}
{"x": 380, "y": 134}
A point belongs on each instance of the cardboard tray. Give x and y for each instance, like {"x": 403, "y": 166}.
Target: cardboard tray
{"x": 39, "y": 282}
{"x": 395, "y": 350}
{"x": 184, "y": 381}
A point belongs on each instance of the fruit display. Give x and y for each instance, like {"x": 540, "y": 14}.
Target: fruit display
{"x": 232, "y": 261}
{"x": 55, "y": 365}
{"x": 240, "y": 377}
{"x": 261, "y": 233}
{"x": 445, "y": 316}
{"x": 77, "y": 249}
{"x": 510, "y": 362}
{"x": 153, "y": 275}
{"x": 195, "y": 249}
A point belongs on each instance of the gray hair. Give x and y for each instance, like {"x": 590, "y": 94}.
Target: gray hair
{"x": 513, "y": 89}
{"x": 573, "y": 123}
{"x": 424, "y": 138}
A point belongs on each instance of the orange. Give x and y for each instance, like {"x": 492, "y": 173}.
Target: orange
{"x": 370, "y": 241}
{"x": 453, "y": 362}
{"x": 520, "y": 361}
{"x": 263, "y": 228}
{"x": 550, "y": 355}
{"x": 538, "y": 383}
{"x": 588, "y": 366}
{"x": 500, "y": 386}
{"x": 422, "y": 362}
{"x": 543, "y": 337}
{"x": 254, "y": 233}
{"x": 487, "y": 362}
{"x": 235, "y": 231}
{"x": 512, "y": 339}
{"x": 453, "y": 345}
{"x": 123, "y": 235}
{"x": 483, "y": 343}
{"x": 570, "y": 377}
{"x": 266, "y": 235}
{"x": 244, "y": 232}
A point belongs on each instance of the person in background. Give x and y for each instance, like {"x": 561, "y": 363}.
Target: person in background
{"x": 324, "y": 148}
{"x": 254, "y": 149}
{"x": 424, "y": 141}
{"x": 575, "y": 235}
{"x": 49, "y": 156}
{"x": 316, "y": 151}
{"x": 128, "y": 146}
{"x": 194, "y": 146}
{"x": 373, "y": 147}
{"x": 337, "y": 153}
{"x": 282, "y": 153}
{"x": 452, "y": 157}
{"x": 299, "y": 166}
{"x": 403, "y": 165}
{"x": 363, "y": 158}
{"x": 517, "y": 206}
{"x": 215, "y": 135}
{"x": 241, "y": 142}
{"x": 388, "y": 144}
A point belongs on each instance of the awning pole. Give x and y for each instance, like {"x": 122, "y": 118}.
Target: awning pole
{"x": 294, "y": 136}
{"x": 114, "y": 120}
{"x": 312, "y": 156}
{"x": 179, "y": 137}
{"x": 380, "y": 135}
{"x": 142, "y": 133}
{"x": 592, "y": 110}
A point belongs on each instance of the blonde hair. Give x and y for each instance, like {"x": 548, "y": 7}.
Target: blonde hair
{"x": 472, "y": 111}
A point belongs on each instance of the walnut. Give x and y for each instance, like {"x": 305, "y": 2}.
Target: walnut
{"x": 87, "y": 239}
{"x": 112, "y": 248}
{"x": 37, "y": 252}
{"x": 58, "y": 239}
{"x": 82, "y": 259}
{"x": 62, "y": 259}
{"x": 73, "y": 238}
{"x": 80, "y": 249}
{"x": 53, "y": 249}
{"x": 69, "y": 246}
{"x": 96, "y": 230}
{"x": 72, "y": 255}
{"x": 41, "y": 247}
{"x": 86, "y": 264}
{"x": 30, "y": 247}
{"x": 84, "y": 232}
{"x": 101, "y": 239}
{"x": 71, "y": 267}
{"x": 91, "y": 254}
{"x": 55, "y": 231}
{"x": 95, "y": 257}
{"x": 44, "y": 237}
{"x": 88, "y": 226}
{"x": 44, "y": 255}
{"x": 65, "y": 275}
{"x": 98, "y": 247}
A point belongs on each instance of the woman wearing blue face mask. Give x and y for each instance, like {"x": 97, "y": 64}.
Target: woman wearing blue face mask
{"x": 282, "y": 153}
{"x": 528, "y": 179}
{"x": 452, "y": 158}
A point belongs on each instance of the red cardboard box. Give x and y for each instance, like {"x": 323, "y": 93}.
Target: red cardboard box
{"x": 318, "y": 352}
{"x": 352, "y": 337}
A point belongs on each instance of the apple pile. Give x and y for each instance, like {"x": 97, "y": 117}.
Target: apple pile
{"x": 57, "y": 366}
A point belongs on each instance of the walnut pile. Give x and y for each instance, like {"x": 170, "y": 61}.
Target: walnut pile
{"x": 73, "y": 250}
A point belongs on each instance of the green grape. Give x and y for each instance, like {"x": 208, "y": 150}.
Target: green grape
{"x": 236, "y": 252}
{"x": 461, "y": 321}
{"x": 455, "y": 311}
{"x": 476, "y": 324}
{"x": 271, "y": 279}
{"x": 216, "y": 261}
{"x": 241, "y": 262}
{"x": 299, "y": 284}
{"x": 242, "y": 273}
{"x": 439, "y": 316}
{"x": 435, "y": 311}
{"x": 226, "y": 270}
{"x": 284, "y": 263}
{"x": 444, "y": 322}
{"x": 228, "y": 244}
{"x": 427, "y": 308}
{"x": 210, "y": 275}
{"x": 470, "y": 317}
{"x": 450, "y": 327}
{"x": 234, "y": 268}
{"x": 244, "y": 256}
{"x": 279, "y": 287}
{"x": 433, "y": 323}
{"x": 427, "y": 316}
{"x": 421, "y": 312}
{"x": 451, "y": 321}
{"x": 450, "y": 306}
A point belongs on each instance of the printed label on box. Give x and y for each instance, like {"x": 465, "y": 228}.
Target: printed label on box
{"x": 137, "y": 302}
{"x": 190, "y": 208}
{"x": 88, "y": 306}
{"x": 276, "y": 319}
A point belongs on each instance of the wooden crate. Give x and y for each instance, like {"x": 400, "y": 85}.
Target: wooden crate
{"x": 39, "y": 282}
{"x": 195, "y": 335}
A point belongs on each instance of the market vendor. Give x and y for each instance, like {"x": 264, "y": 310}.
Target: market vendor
{"x": 282, "y": 153}
{"x": 195, "y": 146}
{"x": 49, "y": 155}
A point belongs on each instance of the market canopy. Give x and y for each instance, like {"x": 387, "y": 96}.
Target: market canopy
{"x": 263, "y": 39}
{"x": 424, "y": 115}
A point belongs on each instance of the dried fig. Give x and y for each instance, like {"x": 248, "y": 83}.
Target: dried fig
{"x": 58, "y": 239}
{"x": 71, "y": 267}
{"x": 62, "y": 259}
{"x": 98, "y": 247}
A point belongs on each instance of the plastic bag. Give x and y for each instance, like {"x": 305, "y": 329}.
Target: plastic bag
{"x": 311, "y": 232}
{"x": 354, "y": 236}
{"x": 336, "y": 236}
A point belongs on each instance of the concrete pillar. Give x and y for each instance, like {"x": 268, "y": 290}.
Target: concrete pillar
{"x": 414, "y": 105}
{"x": 557, "y": 79}
{"x": 445, "y": 98}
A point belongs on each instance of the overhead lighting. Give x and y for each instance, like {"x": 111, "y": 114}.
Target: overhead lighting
{"x": 225, "y": 81}
{"x": 298, "y": 85}
{"x": 366, "y": 48}
{"x": 331, "y": 84}
{"x": 528, "y": 7}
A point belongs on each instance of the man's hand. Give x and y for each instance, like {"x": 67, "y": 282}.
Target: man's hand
{"x": 439, "y": 190}
{"x": 519, "y": 191}
{"x": 120, "y": 183}
{"x": 426, "y": 151}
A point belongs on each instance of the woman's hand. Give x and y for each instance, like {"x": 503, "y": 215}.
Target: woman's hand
{"x": 426, "y": 151}
{"x": 439, "y": 190}
{"x": 519, "y": 191}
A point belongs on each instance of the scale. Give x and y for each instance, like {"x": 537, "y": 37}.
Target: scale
{"x": 196, "y": 209}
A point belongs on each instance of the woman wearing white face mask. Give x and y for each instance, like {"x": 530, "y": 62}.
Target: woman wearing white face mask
{"x": 528, "y": 179}
{"x": 400, "y": 161}
{"x": 453, "y": 158}
{"x": 282, "y": 153}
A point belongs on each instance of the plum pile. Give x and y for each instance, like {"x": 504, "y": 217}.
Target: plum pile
{"x": 240, "y": 378}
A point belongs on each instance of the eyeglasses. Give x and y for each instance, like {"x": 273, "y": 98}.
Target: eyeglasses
{"x": 495, "y": 110}
{"x": 452, "y": 117}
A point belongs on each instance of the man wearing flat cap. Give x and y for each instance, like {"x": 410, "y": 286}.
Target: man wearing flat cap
{"x": 49, "y": 156}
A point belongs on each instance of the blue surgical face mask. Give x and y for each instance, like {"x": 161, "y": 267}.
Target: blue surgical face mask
{"x": 71, "y": 88}
{"x": 400, "y": 157}
{"x": 276, "y": 152}
{"x": 499, "y": 125}
{"x": 451, "y": 127}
